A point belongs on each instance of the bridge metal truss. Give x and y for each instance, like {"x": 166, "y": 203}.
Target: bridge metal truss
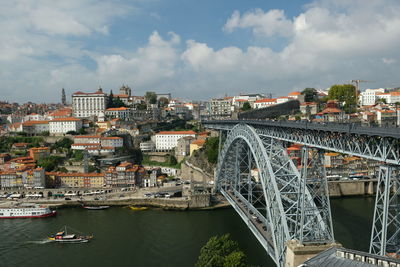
{"x": 376, "y": 147}
{"x": 385, "y": 237}
{"x": 276, "y": 201}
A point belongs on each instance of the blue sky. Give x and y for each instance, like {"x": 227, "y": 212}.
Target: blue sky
{"x": 195, "y": 49}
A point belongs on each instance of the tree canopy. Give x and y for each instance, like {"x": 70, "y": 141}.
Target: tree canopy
{"x": 163, "y": 102}
{"x": 151, "y": 97}
{"x": 211, "y": 149}
{"x": 246, "y": 106}
{"x": 310, "y": 94}
{"x": 221, "y": 251}
{"x": 346, "y": 94}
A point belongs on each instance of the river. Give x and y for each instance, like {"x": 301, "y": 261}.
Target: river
{"x": 154, "y": 237}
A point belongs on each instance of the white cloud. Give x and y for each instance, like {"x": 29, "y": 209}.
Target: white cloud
{"x": 273, "y": 22}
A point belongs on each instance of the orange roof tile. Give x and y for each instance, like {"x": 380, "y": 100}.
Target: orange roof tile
{"x": 117, "y": 109}
{"x": 264, "y": 100}
{"x": 66, "y": 119}
{"x": 30, "y": 123}
{"x": 176, "y": 132}
{"x": 294, "y": 93}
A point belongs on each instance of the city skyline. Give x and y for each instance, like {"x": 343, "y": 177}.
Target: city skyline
{"x": 195, "y": 50}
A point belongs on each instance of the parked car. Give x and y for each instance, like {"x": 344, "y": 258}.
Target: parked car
{"x": 67, "y": 198}
{"x": 149, "y": 195}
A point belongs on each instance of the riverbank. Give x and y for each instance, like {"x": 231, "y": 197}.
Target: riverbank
{"x": 195, "y": 202}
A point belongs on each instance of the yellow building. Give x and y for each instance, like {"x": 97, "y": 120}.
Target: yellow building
{"x": 80, "y": 180}
{"x": 196, "y": 144}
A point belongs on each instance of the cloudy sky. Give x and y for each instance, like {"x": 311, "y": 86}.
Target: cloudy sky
{"x": 195, "y": 49}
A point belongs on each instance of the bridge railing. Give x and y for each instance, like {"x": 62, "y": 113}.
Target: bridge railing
{"x": 350, "y": 128}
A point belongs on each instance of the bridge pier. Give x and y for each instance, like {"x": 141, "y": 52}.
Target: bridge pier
{"x": 297, "y": 253}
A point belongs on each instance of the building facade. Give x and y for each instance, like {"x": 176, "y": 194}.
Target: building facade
{"x": 63, "y": 125}
{"x": 168, "y": 140}
{"x": 85, "y": 105}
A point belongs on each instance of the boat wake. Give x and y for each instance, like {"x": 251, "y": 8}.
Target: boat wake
{"x": 45, "y": 241}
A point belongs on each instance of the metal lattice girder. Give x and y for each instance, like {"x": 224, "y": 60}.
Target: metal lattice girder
{"x": 363, "y": 143}
{"x": 385, "y": 236}
{"x": 319, "y": 214}
{"x": 273, "y": 199}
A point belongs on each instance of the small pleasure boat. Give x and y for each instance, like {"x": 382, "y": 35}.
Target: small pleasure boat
{"x": 64, "y": 237}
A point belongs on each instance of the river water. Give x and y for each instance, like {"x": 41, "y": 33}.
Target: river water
{"x": 154, "y": 237}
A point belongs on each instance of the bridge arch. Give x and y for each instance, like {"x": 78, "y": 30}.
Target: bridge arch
{"x": 272, "y": 202}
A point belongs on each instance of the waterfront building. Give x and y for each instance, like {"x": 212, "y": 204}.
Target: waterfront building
{"x": 85, "y": 105}
{"x": 10, "y": 180}
{"x": 35, "y": 127}
{"x": 168, "y": 140}
{"x": 80, "y": 180}
{"x": 125, "y": 174}
{"x": 63, "y": 125}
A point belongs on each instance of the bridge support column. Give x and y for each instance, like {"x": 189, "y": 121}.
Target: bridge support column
{"x": 385, "y": 236}
{"x": 297, "y": 253}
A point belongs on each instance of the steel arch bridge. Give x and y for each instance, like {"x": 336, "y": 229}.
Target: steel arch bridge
{"x": 275, "y": 200}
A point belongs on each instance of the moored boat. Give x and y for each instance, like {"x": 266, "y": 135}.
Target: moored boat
{"x": 96, "y": 207}
{"x": 138, "y": 208}
{"x": 64, "y": 237}
{"x": 28, "y": 211}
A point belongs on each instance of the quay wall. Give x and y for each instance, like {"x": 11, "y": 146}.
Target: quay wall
{"x": 193, "y": 202}
{"x": 352, "y": 188}
{"x": 188, "y": 172}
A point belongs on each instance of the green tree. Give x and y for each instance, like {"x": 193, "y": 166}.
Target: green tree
{"x": 172, "y": 160}
{"x": 380, "y": 101}
{"x": 151, "y": 97}
{"x": 310, "y": 94}
{"x": 246, "y": 106}
{"x": 346, "y": 94}
{"x": 163, "y": 102}
{"x": 211, "y": 149}
{"x": 49, "y": 163}
{"x": 110, "y": 101}
{"x": 78, "y": 155}
{"x": 82, "y": 131}
{"x": 63, "y": 143}
{"x": 221, "y": 251}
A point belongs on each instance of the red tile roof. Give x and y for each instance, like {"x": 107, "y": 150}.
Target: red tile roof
{"x": 66, "y": 119}
{"x": 266, "y": 100}
{"x": 176, "y": 132}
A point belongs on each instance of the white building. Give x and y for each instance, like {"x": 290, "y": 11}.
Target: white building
{"x": 120, "y": 113}
{"x": 64, "y": 125}
{"x": 35, "y": 127}
{"x": 147, "y": 146}
{"x": 221, "y": 106}
{"x": 265, "y": 102}
{"x": 34, "y": 117}
{"x": 112, "y": 141}
{"x": 369, "y": 96}
{"x": 282, "y": 99}
{"x": 85, "y": 105}
{"x": 169, "y": 139}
